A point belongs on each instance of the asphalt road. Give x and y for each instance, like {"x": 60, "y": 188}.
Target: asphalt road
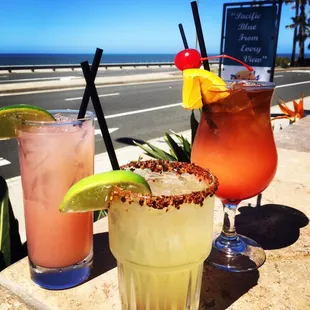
{"x": 140, "y": 111}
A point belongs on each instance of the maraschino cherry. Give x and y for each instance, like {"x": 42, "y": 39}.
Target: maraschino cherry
{"x": 191, "y": 59}
{"x": 187, "y": 59}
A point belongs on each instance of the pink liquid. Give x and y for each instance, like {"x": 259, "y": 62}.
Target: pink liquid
{"x": 52, "y": 159}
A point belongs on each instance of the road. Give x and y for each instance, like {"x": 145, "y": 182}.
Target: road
{"x": 136, "y": 111}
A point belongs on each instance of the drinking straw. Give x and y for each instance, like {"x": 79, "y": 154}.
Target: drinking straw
{"x": 183, "y": 36}
{"x": 94, "y": 69}
{"x": 202, "y": 46}
{"x": 99, "y": 113}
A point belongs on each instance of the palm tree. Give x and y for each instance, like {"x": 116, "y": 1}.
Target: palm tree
{"x": 301, "y": 26}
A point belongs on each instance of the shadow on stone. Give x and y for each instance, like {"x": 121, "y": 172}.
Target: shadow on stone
{"x": 276, "y": 114}
{"x": 103, "y": 258}
{"x": 129, "y": 140}
{"x": 220, "y": 288}
{"x": 272, "y": 226}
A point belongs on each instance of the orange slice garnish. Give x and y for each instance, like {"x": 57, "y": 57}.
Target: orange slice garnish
{"x": 202, "y": 87}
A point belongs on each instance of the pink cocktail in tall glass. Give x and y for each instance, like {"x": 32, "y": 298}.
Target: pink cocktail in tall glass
{"x": 53, "y": 156}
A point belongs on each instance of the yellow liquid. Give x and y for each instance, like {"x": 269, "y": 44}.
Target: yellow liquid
{"x": 160, "y": 253}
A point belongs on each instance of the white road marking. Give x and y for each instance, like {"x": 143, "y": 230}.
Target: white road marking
{"x": 103, "y": 95}
{"x": 4, "y": 162}
{"x": 293, "y": 84}
{"x": 143, "y": 110}
{"x": 276, "y": 76}
{"x": 98, "y": 131}
{"x": 300, "y": 71}
{"x": 68, "y": 78}
{"x": 37, "y": 79}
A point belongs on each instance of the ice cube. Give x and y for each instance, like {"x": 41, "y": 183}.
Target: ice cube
{"x": 64, "y": 118}
{"x": 170, "y": 183}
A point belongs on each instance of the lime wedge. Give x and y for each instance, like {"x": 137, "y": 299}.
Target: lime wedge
{"x": 93, "y": 193}
{"x": 10, "y": 117}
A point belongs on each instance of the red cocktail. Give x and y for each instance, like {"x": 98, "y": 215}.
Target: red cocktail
{"x": 235, "y": 141}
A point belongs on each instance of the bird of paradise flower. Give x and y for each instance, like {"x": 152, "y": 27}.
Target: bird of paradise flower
{"x": 293, "y": 116}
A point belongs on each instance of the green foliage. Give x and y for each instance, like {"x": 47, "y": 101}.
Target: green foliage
{"x": 301, "y": 25}
{"x": 179, "y": 147}
{"x": 283, "y": 62}
{"x": 155, "y": 152}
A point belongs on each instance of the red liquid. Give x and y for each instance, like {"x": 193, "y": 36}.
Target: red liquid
{"x": 235, "y": 141}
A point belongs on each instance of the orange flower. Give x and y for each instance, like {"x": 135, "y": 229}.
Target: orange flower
{"x": 299, "y": 107}
{"x": 293, "y": 116}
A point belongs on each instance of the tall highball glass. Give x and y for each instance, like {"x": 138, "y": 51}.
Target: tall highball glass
{"x": 53, "y": 156}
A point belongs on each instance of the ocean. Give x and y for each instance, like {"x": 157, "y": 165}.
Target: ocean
{"x": 52, "y": 59}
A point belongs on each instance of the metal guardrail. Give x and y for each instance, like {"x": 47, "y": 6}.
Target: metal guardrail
{"x": 78, "y": 66}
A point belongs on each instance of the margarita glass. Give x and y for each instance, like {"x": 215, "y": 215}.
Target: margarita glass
{"x": 53, "y": 156}
{"x": 235, "y": 141}
{"x": 161, "y": 240}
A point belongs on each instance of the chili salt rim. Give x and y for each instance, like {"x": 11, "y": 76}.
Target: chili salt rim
{"x": 164, "y": 201}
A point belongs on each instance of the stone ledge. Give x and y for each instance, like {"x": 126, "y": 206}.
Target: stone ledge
{"x": 10, "y": 301}
{"x": 296, "y": 136}
{"x": 279, "y": 222}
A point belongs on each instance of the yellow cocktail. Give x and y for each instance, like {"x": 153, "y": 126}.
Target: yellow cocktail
{"x": 161, "y": 240}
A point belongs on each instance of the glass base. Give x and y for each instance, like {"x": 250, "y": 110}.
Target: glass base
{"x": 238, "y": 254}
{"x": 164, "y": 288}
{"x": 61, "y": 278}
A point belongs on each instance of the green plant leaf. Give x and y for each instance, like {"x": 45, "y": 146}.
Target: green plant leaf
{"x": 155, "y": 152}
{"x": 171, "y": 150}
{"x": 185, "y": 144}
{"x": 176, "y": 149}
{"x": 163, "y": 154}
{"x": 194, "y": 126}
{"x": 5, "y": 242}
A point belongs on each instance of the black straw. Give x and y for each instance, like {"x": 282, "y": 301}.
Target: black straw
{"x": 94, "y": 70}
{"x": 99, "y": 113}
{"x": 183, "y": 36}
{"x": 202, "y": 46}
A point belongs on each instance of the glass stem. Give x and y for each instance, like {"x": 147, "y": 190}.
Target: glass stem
{"x": 229, "y": 229}
{"x": 229, "y": 241}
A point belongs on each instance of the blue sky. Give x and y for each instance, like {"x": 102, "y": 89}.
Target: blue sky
{"x": 117, "y": 26}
